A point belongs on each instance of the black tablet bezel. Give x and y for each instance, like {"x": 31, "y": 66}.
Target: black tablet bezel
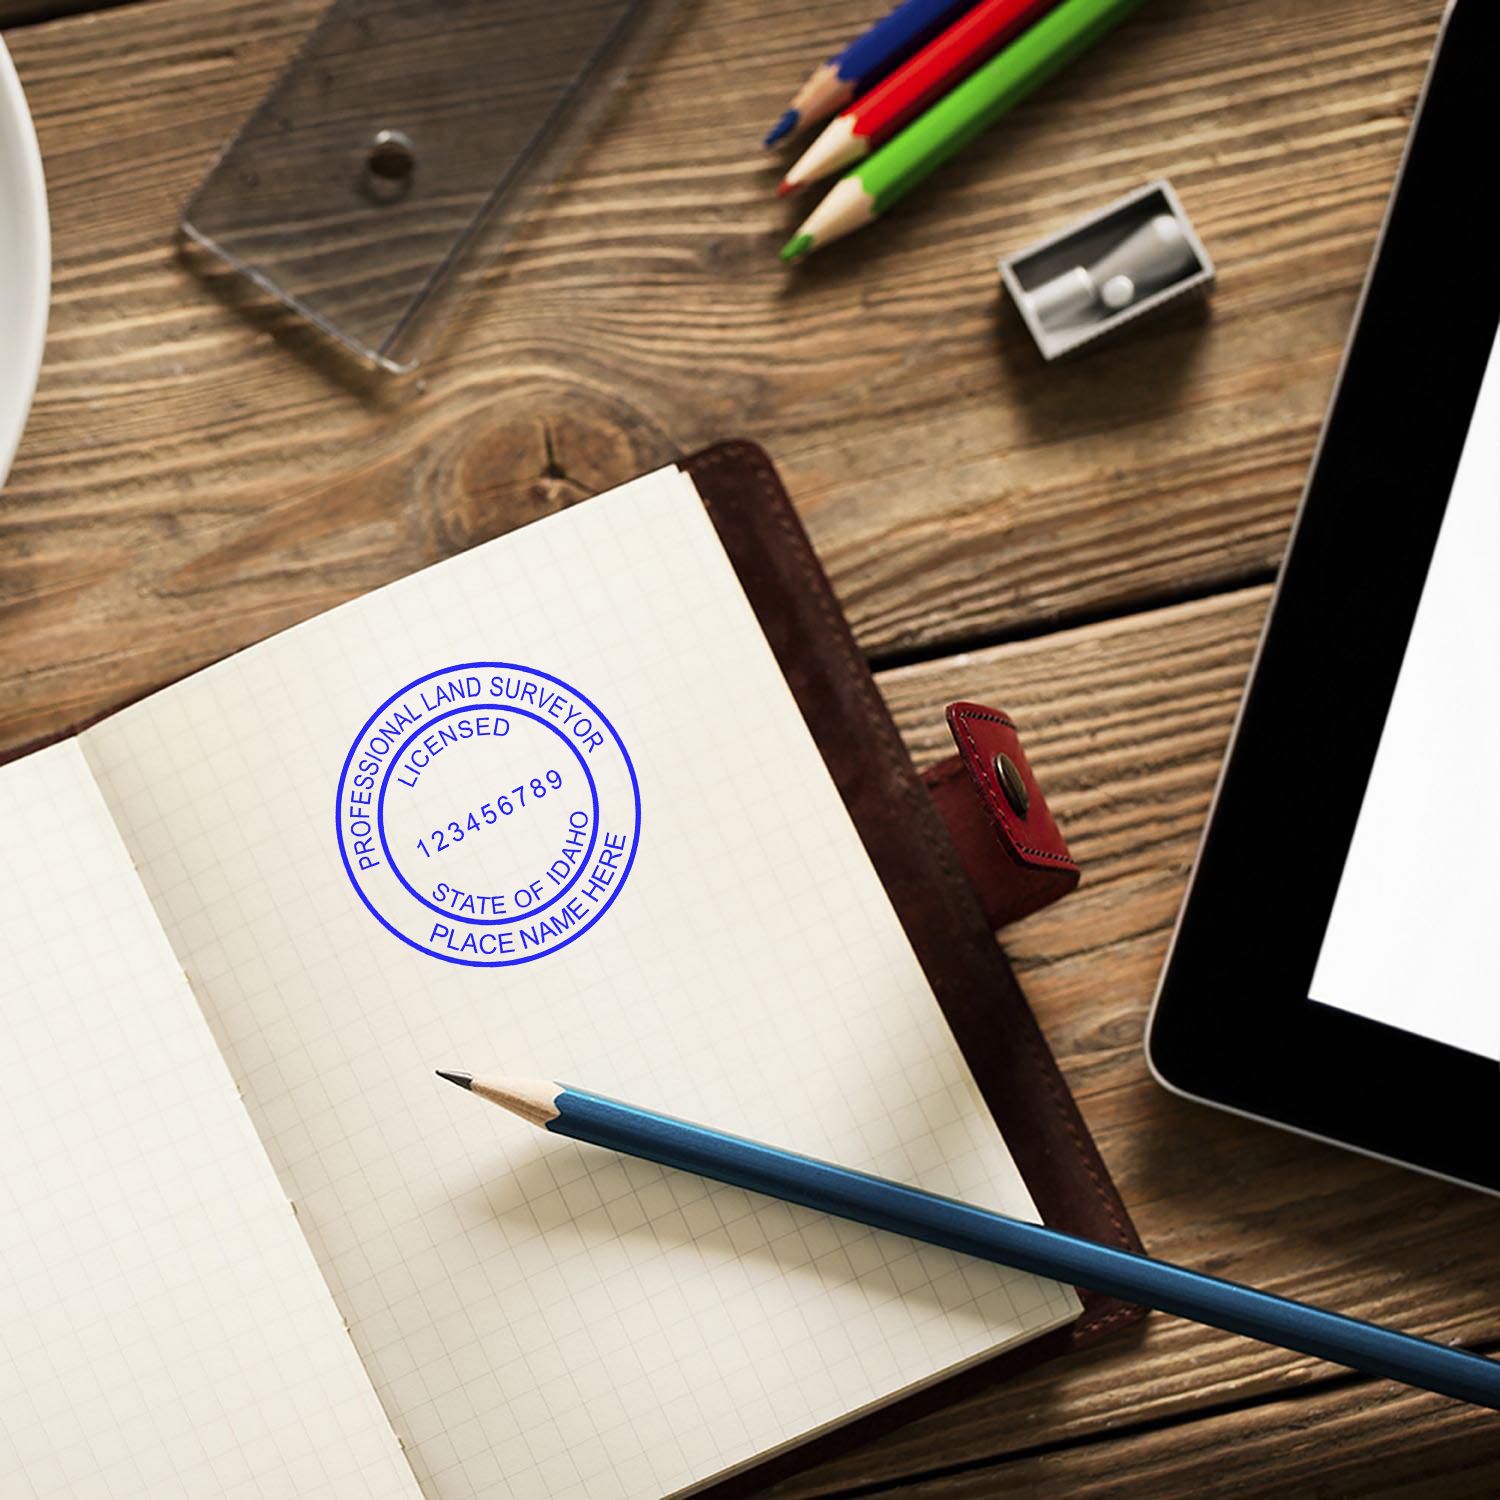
{"x": 1233, "y": 1024}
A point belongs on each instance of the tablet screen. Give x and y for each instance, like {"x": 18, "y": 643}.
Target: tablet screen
{"x": 1413, "y": 940}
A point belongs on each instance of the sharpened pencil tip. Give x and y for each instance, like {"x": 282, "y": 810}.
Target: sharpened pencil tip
{"x": 786, "y": 187}
{"x": 781, "y": 129}
{"x": 796, "y": 247}
{"x": 463, "y": 1080}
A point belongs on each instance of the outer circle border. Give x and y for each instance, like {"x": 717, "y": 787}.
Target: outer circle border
{"x": 338, "y": 803}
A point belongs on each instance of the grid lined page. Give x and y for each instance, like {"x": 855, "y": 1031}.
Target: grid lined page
{"x": 541, "y": 1318}
{"x": 164, "y": 1331}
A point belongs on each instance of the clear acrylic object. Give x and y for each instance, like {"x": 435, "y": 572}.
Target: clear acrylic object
{"x": 405, "y": 136}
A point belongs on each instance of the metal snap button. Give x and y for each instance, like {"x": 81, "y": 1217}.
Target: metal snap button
{"x": 1013, "y": 784}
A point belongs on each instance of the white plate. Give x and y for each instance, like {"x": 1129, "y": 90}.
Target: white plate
{"x": 25, "y": 257}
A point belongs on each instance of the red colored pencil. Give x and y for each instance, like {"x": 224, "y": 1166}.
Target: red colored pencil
{"x": 903, "y": 95}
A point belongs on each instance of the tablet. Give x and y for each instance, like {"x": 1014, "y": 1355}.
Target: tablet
{"x": 1336, "y": 963}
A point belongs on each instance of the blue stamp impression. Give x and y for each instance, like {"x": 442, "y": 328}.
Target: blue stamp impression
{"x": 488, "y": 814}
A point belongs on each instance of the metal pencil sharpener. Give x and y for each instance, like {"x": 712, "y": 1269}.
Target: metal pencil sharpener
{"x": 1089, "y": 280}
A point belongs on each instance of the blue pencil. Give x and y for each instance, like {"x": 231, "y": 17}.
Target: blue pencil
{"x": 990, "y": 1236}
{"x": 866, "y": 60}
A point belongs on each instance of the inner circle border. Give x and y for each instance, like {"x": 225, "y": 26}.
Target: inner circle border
{"x": 496, "y": 963}
{"x": 519, "y": 916}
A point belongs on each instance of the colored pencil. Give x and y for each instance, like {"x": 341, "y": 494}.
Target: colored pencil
{"x": 898, "y": 99}
{"x": 986, "y": 94}
{"x": 969, "y": 1230}
{"x": 868, "y": 58}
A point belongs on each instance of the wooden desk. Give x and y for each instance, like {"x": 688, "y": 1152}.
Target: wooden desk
{"x": 1089, "y": 545}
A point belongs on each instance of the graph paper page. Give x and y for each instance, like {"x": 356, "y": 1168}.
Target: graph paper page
{"x": 659, "y": 896}
{"x": 164, "y": 1332}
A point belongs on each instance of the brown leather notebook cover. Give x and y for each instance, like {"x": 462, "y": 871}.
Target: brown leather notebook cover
{"x": 914, "y": 857}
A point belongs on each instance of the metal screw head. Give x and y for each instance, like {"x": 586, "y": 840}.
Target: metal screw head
{"x": 391, "y": 155}
{"x": 1012, "y": 783}
{"x": 390, "y": 165}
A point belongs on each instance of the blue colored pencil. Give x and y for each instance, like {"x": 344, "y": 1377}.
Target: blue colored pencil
{"x": 866, "y": 60}
{"x": 990, "y": 1236}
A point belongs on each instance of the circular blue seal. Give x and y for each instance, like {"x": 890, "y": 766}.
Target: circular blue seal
{"x": 488, "y": 814}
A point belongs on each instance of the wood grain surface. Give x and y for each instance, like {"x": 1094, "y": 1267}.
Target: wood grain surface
{"x": 192, "y": 479}
{"x": 1124, "y": 722}
{"x": 1088, "y": 545}
{"x": 1337, "y": 1442}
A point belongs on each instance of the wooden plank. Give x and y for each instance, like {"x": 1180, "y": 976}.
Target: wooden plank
{"x": 1125, "y": 722}
{"x": 190, "y": 482}
{"x": 1356, "y": 1443}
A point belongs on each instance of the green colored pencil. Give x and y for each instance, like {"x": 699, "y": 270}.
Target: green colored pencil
{"x": 897, "y": 167}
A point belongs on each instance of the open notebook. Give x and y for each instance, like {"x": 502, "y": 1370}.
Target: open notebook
{"x": 546, "y": 808}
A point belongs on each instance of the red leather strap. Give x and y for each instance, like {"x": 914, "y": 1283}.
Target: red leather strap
{"x": 1010, "y": 846}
